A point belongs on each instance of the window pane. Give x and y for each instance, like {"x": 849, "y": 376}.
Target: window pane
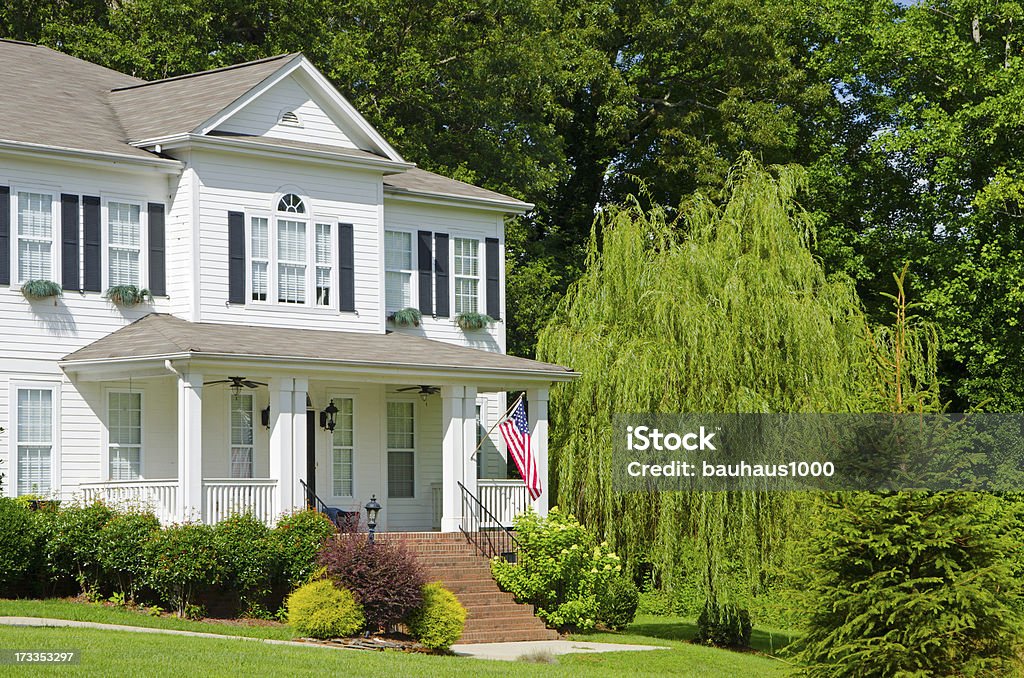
{"x": 241, "y": 462}
{"x": 291, "y": 241}
{"x": 123, "y": 220}
{"x": 259, "y": 280}
{"x": 124, "y": 463}
{"x": 323, "y": 244}
{"x": 323, "y": 286}
{"x": 397, "y": 251}
{"x": 397, "y": 290}
{"x": 241, "y": 419}
{"x": 34, "y": 260}
{"x": 467, "y": 256}
{"x": 35, "y": 416}
{"x": 401, "y": 425}
{"x": 400, "y": 474}
{"x": 344, "y": 423}
{"x": 35, "y": 215}
{"x": 125, "y": 419}
{"x": 291, "y": 283}
{"x": 34, "y": 469}
{"x": 291, "y": 203}
{"x": 465, "y": 295}
{"x": 124, "y": 267}
{"x": 342, "y": 472}
{"x": 260, "y": 239}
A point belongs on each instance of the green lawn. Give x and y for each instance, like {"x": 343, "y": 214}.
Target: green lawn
{"x": 107, "y": 653}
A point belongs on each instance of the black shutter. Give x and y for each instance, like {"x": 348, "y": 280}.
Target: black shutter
{"x": 236, "y": 258}
{"x": 492, "y": 256}
{"x": 5, "y": 235}
{"x": 69, "y": 252}
{"x": 157, "y": 250}
{"x": 426, "y": 272}
{"x": 92, "y": 241}
{"x": 346, "y": 268}
{"x": 441, "y": 273}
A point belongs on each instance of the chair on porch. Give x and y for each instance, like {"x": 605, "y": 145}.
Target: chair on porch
{"x": 345, "y": 521}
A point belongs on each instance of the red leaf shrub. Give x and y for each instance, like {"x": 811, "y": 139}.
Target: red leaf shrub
{"x": 385, "y": 577}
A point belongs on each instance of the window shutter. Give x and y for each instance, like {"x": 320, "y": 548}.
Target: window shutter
{"x": 158, "y": 250}
{"x": 426, "y": 274}
{"x": 5, "y": 235}
{"x": 492, "y": 256}
{"x": 236, "y": 258}
{"x": 69, "y": 253}
{"x": 441, "y": 273}
{"x": 346, "y": 268}
{"x": 92, "y": 241}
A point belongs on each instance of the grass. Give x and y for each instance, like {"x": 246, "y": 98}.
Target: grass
{"x": 106, "y": 653}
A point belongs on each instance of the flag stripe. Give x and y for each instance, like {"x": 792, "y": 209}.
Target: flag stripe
{"x": 516, "y": 432}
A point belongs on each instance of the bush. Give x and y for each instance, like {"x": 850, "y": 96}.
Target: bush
{"x": 250, "y": 558}
{"x": 18, "y": 545}
{"x": 724, "y": 626}
{"x": 299, "y": 537}
{"x": 385, "y": 577}
{"x": 73, "y": 542}
{"x": 617, "y": 606}
{"x": 321, "y": 610}
{"x": 182, "y": 561}
{"x": 439, "y": 621}
{"x": 122, "y": 540}
{"x": 561, "y": 569}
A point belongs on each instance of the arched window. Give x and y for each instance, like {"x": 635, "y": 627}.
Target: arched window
{"x": 292, "y": 204}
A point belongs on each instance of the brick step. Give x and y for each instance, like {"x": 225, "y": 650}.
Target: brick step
{"x": 476, "y": 600}
{"x": 458, "y": 586}
{"x": 499, "y": 637}
{"x": 507, "y": 611}
{"x": 501, "y": 627}
{"x": 459, "y": 575}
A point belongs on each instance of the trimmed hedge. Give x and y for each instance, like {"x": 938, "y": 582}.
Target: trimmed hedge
{"x": 123, "y": 541}
{"x": 251, "y": 559}
{"x": 300, "y": 536}
{"x": 183, "y": 560}
{"x": 319, "y": 609}
{"x": 439, "y": 621}
{"x": 18, "y": 550}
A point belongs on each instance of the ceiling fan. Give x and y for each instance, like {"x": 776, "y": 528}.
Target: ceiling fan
{"x": 237, "y": 383}
{"x": 423, "y": 389}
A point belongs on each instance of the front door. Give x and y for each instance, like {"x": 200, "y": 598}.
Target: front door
{"x": 311, "y": 450}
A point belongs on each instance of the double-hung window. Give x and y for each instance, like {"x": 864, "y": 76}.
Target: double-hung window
{"x": 467, "y": 275}
{"x": 342, "y": 447}
{"x": 259, "y": 235}
{"x": 35, "y": 236}
{"x": 291, "y": 261}
{"x": 124, "y": 430}
{"x": 241, "y": 435}
{"x": 34, "y": 440}
{"x": 401, "y": 449}
{"x": 124, "y": 243}
{"x": 322, "y": 247}
{"x": 398, "y": 270}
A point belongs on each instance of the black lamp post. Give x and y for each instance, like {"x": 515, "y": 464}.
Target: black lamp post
{"x": 372, "y": 509}
{"x": 328, "y": 418}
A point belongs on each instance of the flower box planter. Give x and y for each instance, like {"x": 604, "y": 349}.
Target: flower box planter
{"x": 469, "y": 322}
{"x": 406, "y": 317}
{"x": 35, "y": 290}
{"x": 128, "y": 295}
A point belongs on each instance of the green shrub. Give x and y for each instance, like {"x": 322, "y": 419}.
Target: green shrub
{"x": 439, "y": 621}
{"x": 299, "y": 536}
{"x": 473, "y": 321}
{"x": 128, "y": 295}
{"x": 319, "y": 609}
{"x": 18, "y": 545}
{"x": 617, "y": 605}
{"x": 41, "y": 289}
{"x": 250, "y": 558}
{"x": 561, "y": 569}
{"x": 73, "y": 543}
{"x": 724, "y": 626}
{"x": 122, "y": 542}
{"x": 182, "y": 562}
{"x": 406, "y": 317}
{"x": 654, "y": 602}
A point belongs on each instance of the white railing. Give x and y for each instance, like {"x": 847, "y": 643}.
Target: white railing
{"x": 505, "y": 499}
{"x": 158, "y": 496}
{"x": 436, "y": 504}
{"x": 224, "y": 497}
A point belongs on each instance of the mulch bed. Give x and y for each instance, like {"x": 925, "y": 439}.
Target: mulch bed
{"x": 391, "y": 642}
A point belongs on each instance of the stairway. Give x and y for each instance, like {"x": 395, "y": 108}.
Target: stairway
{"x": 492, "y": 615}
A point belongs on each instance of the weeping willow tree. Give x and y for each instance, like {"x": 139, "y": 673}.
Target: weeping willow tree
{"x": 721, "y": 309}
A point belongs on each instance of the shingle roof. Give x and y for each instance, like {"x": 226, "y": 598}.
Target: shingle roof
{"x": 422, "y": 182}
{"x": 158, "y": 335}
{"x": 179, "y": 105}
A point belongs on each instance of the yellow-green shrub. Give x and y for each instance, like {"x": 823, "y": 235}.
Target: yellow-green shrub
{"x": 439, "y": 621}
{"x": 321, "y": 610}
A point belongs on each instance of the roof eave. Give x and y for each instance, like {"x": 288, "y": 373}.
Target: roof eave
{"x": 104, "y": 158}
{"x": 510, "y": 206}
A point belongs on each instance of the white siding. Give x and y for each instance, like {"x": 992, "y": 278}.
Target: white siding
{"x": 262, "y": 115}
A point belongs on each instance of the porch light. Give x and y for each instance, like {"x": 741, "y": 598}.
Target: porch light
{"x": 372, "y": 509}
{"x": 265, "y": 416}
{"x": 328, "y": 418}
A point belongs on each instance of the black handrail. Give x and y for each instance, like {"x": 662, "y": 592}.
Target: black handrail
{"x": 345, "y": 521}
{"x": 485, "y": 531}
{"x": 313, "y": 501}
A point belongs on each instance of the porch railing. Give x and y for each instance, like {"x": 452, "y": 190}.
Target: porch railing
{"x": 158, "y": 496}
{"x": 484, "y": 530}
{"x": 504, "y": 499}
{"x": 223, "y": 497}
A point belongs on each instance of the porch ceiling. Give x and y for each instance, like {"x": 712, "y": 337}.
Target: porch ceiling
{"x": 158, "y": 337}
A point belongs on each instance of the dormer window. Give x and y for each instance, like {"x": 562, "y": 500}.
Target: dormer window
{"x": 292, "y": 204}
{"x": 290, "y": 118}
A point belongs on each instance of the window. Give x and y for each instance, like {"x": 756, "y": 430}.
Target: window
{"x": 124, "y": 233}
{"x": 467, "y": 275}
{"x": 34, "y": 440}
{"x": 124, "y": 428}
{"x": 35, "y": 236}
{"x": 291, "y": 261}
{"x": 291, "y": 204}
{"x": 398, "y": 270}
{"x": 260, "y": 246}
{"x": 322, "y": 246}
{"x": 342, "y": 447}
{"x": 241, "y": 435}
{"x": 401, "y": 447}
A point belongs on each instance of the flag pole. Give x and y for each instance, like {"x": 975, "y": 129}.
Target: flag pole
{"x": 472, "y": 455}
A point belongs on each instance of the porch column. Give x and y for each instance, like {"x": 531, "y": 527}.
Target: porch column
{"x": 469, "y": 435}
{"x": 298, "y": 461}
{"x": 537, "y": 400}
{"x": 452, "y": 453}
{"x": 190, "y": 446}
{"x": 281, "y": 437}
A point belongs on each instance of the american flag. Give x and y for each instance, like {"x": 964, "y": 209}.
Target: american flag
{"x": 516, "y": 432}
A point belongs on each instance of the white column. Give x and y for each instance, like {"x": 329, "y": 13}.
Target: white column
{"x": 452, "y": 413}
{"x": 190, "y": 446}
{"x": 301, "y": 387}
{"x": 281, "y": 435}
{"x": 537, "y": 401}
{"x": 469, "y": 434}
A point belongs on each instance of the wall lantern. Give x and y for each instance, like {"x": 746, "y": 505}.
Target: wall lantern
{"x": 372, "y": 509}
{"x": 265, "y": 416}
{"x": 328, "y": 418}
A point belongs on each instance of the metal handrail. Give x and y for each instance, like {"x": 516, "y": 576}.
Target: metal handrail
{"x": 495, "y": 541}
{"x": 313, "y": 501}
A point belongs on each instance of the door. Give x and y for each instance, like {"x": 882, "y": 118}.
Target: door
{"x": 311, "y": 451}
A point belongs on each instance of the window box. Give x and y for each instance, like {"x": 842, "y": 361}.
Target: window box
{"x": 128, "y": 295}
{"x": 473, "y": 321}
{"x": 406, "y": 317}
{"x": 41, "y": 289}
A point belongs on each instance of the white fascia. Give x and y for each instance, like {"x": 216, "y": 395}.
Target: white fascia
{"x": 115, "y": 161}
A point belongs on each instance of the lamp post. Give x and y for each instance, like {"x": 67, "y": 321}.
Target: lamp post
{"x": 372, "y": 509}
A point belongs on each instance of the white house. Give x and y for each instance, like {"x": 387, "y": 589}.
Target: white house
{"x": 277, "y": 232}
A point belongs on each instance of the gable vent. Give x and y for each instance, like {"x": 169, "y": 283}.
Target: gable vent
{"x": 290, "y": 118}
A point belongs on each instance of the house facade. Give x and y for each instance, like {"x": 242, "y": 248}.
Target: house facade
{"x": 277, "y": 234}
